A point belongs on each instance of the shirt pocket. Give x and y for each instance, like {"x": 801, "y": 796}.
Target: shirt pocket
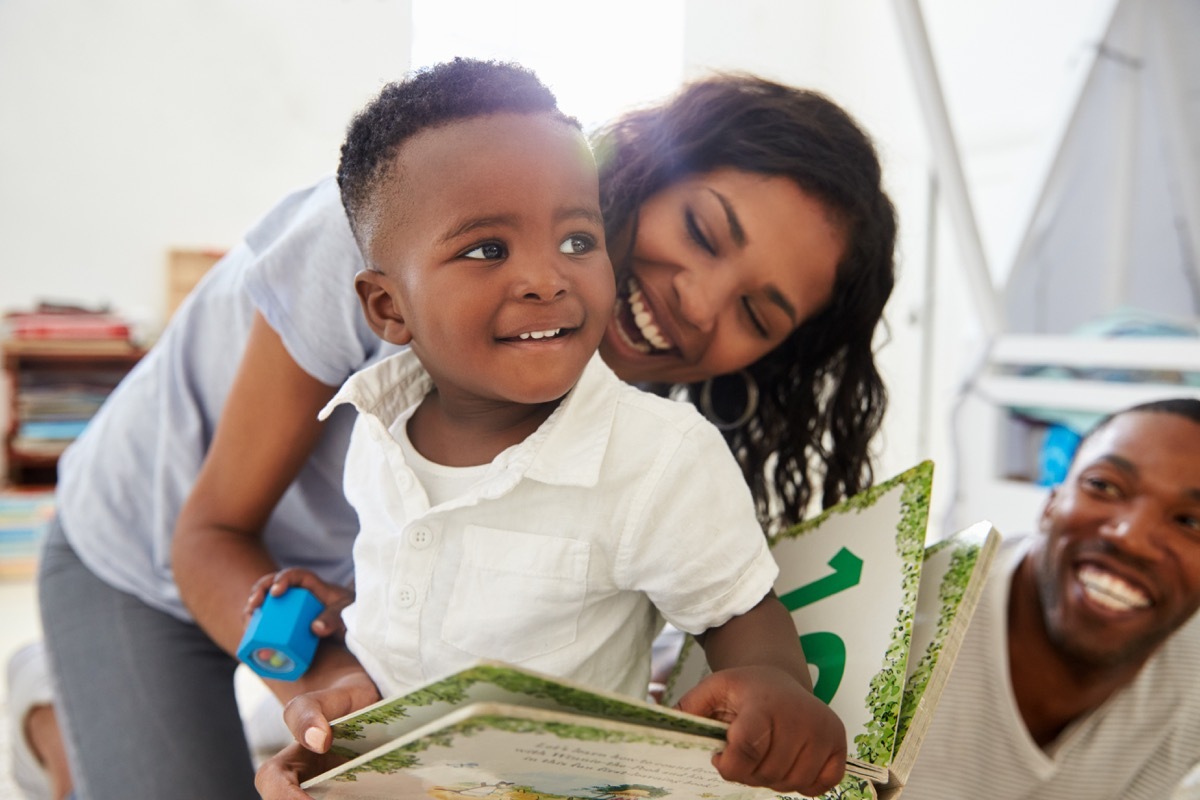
{"x": 516, "y": 595}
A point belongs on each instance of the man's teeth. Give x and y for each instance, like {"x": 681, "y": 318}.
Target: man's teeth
{"x": 645, "y": 323}
{"x": 541, "y": 334}
{"x": 1109, "y": 591}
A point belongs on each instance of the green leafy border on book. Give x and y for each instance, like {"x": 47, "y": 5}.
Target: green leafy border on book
{"x": 877, "y": 744}
{"x": 453, "y": 691}
{"x": 950, "y": 594}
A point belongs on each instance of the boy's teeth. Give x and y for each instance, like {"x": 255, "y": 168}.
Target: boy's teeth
{"x": 643, "y": 320}
{"x": 1110, "y": 591}
{"x": 540, "y": 334}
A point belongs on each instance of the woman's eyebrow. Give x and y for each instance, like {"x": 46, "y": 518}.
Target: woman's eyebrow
{"x": 736, "y": 231}
{"x": 738, "y": 234}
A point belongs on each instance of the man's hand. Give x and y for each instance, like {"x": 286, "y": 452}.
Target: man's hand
{"x": 780, "y": 735}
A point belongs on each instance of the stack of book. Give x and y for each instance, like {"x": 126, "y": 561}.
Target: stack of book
{"x": 62, "y": 363}
{"x": 56, "y": 328}
{"x": 24, "y": 517}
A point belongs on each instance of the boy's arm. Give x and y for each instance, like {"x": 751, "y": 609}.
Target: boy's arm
{"x": 763, "y": 636}
{"x": 780, "y": 735}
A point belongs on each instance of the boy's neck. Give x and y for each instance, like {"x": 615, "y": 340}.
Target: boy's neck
{"x": 468, "y": 437}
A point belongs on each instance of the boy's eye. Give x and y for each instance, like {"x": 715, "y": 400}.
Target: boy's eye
{"x": 488, "y": 251}
{"x": 577, "y": 244}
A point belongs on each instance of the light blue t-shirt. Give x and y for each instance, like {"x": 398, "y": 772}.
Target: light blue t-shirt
{"x": 123, "y": 482}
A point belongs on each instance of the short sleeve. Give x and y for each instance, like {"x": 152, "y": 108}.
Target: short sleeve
{"x": 302, "y": 282}
{"x": 698, "y": 550}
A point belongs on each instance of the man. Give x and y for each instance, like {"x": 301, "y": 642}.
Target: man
{"x": 1077, "y": 677}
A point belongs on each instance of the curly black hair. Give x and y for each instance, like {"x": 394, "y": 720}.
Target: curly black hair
{"x": 428, "y": 98}
{"x": 822, "y": 398}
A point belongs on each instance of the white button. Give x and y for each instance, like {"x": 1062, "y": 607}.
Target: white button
{"x": 420, "y": 538}
{"x": 404, "y": 480}
{"x": 406, "y": 596}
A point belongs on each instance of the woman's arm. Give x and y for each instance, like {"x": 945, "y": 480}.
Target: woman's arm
{"x": 266, "y": 432}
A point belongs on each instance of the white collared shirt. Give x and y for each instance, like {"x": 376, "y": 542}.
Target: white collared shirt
{"x": 621, "y": 507}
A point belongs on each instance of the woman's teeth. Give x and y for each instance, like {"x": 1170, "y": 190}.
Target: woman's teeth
{"x": 541, "y": 334}
{"x": 644, "y": 321}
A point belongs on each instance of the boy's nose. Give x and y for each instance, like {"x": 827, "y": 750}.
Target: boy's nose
{"x": 540, "y": 280}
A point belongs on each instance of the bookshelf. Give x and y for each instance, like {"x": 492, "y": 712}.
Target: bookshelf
{"x": 55, "y": 386}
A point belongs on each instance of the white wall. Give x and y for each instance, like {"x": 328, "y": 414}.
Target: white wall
{"x": 128, "y": 128}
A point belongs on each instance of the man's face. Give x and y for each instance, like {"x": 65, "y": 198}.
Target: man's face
{"x": 1119, "y": 568}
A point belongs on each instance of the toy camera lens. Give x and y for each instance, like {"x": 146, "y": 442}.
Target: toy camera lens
{"x": 271, "y": 659}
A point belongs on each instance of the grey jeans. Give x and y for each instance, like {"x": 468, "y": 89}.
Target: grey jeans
{"x": 146, "y": 700}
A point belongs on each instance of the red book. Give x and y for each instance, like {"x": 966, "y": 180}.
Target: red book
{"x": 66, "y": 326}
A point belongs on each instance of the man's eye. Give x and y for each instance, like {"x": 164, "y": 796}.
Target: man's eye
{"x": 1191, "y": 523}
{"x": 1101, "y": 486}
{"x": 577, "y": 244}
{"x": 489, "y": 251}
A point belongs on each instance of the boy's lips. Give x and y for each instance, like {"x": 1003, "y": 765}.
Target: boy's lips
{"x": 636, "y": 322}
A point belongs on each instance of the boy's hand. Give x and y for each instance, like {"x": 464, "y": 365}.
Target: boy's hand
{"x": 334, "y": 597}
{"x": 308, "y": 715}
{"x": 780, "y": 735}
{"x": 280, "y": 776}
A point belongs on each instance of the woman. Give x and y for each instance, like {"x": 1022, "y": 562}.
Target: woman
{"x": 753, "y": 244}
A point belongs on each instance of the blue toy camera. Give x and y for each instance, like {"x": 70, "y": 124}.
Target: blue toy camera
{"x": 279, "y": 642}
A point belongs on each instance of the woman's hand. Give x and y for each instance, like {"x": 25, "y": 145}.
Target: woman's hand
{"x": 333, "y": 597}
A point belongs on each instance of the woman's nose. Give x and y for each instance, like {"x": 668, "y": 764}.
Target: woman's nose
{"x": 703, "y": 295}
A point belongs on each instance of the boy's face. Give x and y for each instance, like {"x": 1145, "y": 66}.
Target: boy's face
{"x": 491, "y": 246}
{"x": 1119, "y": 568}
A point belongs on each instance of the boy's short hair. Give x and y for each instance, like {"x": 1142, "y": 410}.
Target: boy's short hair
{"x": 428, "y": 98}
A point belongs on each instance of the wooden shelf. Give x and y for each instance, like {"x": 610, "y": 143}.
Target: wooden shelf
{"x": 84, "y": 371}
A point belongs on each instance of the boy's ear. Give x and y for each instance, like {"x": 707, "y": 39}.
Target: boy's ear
{"x": 379, "y": 300}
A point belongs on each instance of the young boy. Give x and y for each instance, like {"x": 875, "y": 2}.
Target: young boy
{"x": 516, "y": 500}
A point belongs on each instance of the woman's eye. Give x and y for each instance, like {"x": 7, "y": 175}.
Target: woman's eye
{"x": 489, "y": 251}
{"x": 577, "y": 244}
{"x": 1191, "y": 523}
{"x": 697, "y": 235}
{"x": 755, "y": 319}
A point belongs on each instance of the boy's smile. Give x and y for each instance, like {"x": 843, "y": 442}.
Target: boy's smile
{"x": 489, "y": 246}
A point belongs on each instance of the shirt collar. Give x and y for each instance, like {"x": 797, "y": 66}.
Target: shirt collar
{"x": 567, "y": 449}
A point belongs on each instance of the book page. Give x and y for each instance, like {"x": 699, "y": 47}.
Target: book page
{"x": 849, "y": 577}
{"x": 511, "y": 753}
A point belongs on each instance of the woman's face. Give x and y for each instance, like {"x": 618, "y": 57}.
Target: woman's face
{"x": 725, "y": 266}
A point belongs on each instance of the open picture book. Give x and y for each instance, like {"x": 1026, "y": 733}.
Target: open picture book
{"x": 865, "y": 593}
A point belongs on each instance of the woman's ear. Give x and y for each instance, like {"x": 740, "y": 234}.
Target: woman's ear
{"x": 381, "y": 306}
